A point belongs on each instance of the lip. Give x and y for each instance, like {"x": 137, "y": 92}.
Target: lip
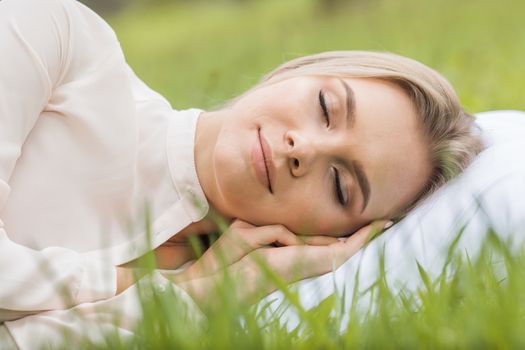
{"x": 261, "y": 157}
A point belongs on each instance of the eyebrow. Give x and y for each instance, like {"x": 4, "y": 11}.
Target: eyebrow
{"x": 362, "y": 180}
{"x": 350, "y": 103}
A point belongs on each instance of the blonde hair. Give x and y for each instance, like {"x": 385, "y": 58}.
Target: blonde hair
{"x": 453, "y": 142}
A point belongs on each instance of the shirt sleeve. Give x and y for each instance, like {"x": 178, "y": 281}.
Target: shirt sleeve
{"x": 119, "y": 315}
{"x": 35, "y": 55}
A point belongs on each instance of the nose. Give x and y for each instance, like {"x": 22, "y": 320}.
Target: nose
{"x": 301, "y": 152}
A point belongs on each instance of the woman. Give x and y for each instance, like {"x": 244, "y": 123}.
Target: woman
{"x": 324, "y": 145}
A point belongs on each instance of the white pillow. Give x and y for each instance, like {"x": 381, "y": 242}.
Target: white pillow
{"x": 491, "y": 192}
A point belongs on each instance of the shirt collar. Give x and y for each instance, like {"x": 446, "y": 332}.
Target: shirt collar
{"x": 181, "y": 160}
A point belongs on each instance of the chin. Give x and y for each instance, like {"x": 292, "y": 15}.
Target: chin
{"x": 246, "y": 206}
{"x": 239, "y": 194}
{"x": 232, "y": 198}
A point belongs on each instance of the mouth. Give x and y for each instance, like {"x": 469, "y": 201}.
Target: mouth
{"x": 262, "y": 161}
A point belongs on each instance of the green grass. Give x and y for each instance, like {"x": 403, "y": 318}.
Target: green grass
{"x": 475, "y": 303}
{"x": 201, "y": 54}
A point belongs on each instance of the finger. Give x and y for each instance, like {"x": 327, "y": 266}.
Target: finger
{"x": 373, "y": 229}
{"x": 238, "y": 242}
{"x": 378, "y": 226}
{"x": 238, "y": 223}
{"x": 294, "y": 263}
{"x": 291, "y": 263}
{"x": 298, "y": 262}
{"x": 242, "y": 241}
{"x": 319, "y": 240}
{"x": 266, "y": 235}
{"x": 356, "y": 241}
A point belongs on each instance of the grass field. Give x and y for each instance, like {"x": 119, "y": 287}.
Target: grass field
{"x": 199, "y": 54}
{"x": 476, "y": 304}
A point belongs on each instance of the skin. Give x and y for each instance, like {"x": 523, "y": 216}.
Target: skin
{"x": 383, "y": 135}
{"x": 241, "y": 250}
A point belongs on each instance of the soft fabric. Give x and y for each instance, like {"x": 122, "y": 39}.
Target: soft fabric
{"x": 490, "y": 193}
{"x": 95, "y": 320}
{"x": 6, "y": 340}
{"x": 85, "y": 148}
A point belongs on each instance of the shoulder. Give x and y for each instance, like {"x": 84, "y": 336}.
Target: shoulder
{"x": 66, "y": 14}
{"x": 62, "y": 18}
{"x": 69, "y": 38}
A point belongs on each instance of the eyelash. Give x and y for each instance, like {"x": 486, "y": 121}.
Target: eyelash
{"x": 337, "y": 181}
{"x": 338, "y": 190}
{"x": 324, "y": 109}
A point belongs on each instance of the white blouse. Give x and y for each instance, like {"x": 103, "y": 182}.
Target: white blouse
{"x": 86, "y": 150}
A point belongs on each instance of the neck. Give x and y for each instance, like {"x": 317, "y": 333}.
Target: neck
{"x": 208, "y": 129}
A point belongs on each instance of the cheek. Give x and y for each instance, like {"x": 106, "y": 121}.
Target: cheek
{"x": 227, "y": 157}
{"x": 231, "y": 168}
{"x": 311, "y": 214}
{"x": 297, "y": 211}
{"x": 319, "y": 216}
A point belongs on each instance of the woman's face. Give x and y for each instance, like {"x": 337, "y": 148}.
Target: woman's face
{"x": 320, "y": 155}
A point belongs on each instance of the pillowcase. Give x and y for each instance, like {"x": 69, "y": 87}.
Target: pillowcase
{"x": 490, "y": 193}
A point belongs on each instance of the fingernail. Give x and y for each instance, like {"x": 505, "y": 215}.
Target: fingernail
{"x": 388, "y": 225}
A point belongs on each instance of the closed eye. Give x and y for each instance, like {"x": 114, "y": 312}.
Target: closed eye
{"x": 338, "y": 189}
{"x": 324, "y": 109}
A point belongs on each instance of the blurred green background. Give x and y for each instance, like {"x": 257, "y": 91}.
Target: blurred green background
{"x": 201, "y": 53}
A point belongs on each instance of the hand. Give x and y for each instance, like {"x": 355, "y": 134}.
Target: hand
{"x": 290, "y": 263}
{"x": 125, "y": 278}
{"x": 296, "y": 263}
{"x": 241, "y": 239}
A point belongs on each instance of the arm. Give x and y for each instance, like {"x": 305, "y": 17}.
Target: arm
{"x": 36, "y": 53}
{"x": 239, "y": 252}
{"x": 119, "y": 315}
{"x": 244, "y": 253}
